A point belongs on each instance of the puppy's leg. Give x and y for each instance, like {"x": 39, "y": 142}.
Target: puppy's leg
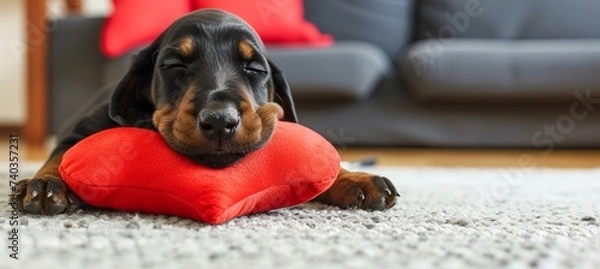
{"x": 353, "y": 190}
{"x": 45, "y": 193}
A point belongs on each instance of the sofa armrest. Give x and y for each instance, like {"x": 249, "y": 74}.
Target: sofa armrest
{"x": 77, "y": 68}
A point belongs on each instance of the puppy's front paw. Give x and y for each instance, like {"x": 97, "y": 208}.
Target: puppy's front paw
{"x": 45, "y": 196}
{"x": 361, "y": 190}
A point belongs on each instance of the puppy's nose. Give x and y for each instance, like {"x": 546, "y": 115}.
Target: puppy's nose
{"x": 218, "y": 122}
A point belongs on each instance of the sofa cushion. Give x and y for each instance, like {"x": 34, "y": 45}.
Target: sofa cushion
{"x": 275, "y": 21}
{"x": 362, "y": 20}
{"x": 509, "y": 19}
{"x": 135, "y": 23}
{"x": 465, "y": 70}
{"x": 345, "y": 71}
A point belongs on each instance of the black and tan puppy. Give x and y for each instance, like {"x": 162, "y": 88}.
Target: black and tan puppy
{"x": 206, "y": 86}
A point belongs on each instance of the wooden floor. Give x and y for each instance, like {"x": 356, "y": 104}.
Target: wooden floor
{"x": 477, "y": 158}
{"x": 426, "y": 157}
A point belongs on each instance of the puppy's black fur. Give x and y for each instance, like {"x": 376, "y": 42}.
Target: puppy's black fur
{"x": 207, "y": 87}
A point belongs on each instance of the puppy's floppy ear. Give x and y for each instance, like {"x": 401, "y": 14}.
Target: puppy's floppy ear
{"x": 282, "y": 93}
{"x": 131, "y": 103}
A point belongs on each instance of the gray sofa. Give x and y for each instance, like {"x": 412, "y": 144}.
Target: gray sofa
{"x": 422, "y": 73}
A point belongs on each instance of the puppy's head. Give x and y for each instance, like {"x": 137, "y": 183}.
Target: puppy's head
{"x": 207, "y": 87}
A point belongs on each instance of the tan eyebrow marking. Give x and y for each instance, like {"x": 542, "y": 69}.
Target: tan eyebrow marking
{"x": 186, "y": 46}
{"x": 246, "y": 50}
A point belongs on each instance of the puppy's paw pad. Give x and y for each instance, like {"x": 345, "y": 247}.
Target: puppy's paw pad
{"x": 362, "y": 191}
{"x": 43, "y": 196}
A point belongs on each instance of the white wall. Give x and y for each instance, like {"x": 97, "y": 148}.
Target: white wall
{"x": 12, "y": 62}
{"x": 91, "y": 8}
{"x": 97, "y": 7}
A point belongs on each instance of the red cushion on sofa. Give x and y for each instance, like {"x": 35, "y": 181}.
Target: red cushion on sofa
{"x": 132, "y": 169}
{"x": 275, "y": 21}
{"x": 135, "y": 23}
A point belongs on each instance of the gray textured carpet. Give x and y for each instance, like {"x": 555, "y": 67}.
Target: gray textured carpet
{"x": 447, "y": 218}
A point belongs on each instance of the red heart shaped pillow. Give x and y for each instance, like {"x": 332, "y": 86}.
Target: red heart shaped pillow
{"x": 131, "y": 169}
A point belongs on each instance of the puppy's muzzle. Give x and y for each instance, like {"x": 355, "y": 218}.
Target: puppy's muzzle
{"x": 219, "y": 122}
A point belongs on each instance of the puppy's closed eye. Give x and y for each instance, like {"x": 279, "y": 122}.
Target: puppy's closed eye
{"x": 172, "y": 63}
{"x": 255, "y": 67}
